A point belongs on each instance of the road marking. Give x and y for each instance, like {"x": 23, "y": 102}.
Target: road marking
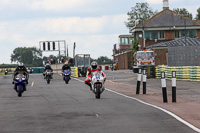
{"x": 164, "y": 110}
{"x": 32, "y": 84}
{"x": 97, "y": 115}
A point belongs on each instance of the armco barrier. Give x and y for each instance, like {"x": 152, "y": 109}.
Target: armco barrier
{"x": 74, "y": 72}
{"x": 191, "y": 73}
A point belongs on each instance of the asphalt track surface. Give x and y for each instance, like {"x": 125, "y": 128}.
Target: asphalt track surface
{"x": 71, "y": 108}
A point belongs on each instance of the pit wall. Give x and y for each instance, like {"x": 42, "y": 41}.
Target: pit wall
{"x": 190, "y": 73}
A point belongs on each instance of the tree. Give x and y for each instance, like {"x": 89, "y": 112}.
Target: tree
{"x": 102, "y": 60}
{"x": 134, "y": 49}
{"x": 29, "y": 56}
{"x": 140, "y": 12}
{"x": 198, "y": 14}
{"x": 183, "y": 11}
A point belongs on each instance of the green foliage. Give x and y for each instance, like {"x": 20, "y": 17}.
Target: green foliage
{"x": 102, "y": 60}
{"x": 184, "y": 12}
{"x": 140, "y": 12}
{"x": 198, "y": 14}
{"x": 134, "y": 49}
{"x": 30, "y": 56}
{"x": 8, "y": 66}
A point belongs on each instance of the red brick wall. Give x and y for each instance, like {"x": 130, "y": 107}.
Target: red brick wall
{"x": 124, "y": 61}
{"x": 160, "y": 56}
{"x": 169, "y": 35}
{"x": 124, "y": 48}
{"x": 198, "y": 34}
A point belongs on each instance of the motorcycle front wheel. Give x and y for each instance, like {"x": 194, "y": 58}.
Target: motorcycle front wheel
{"x": 98, "y": 92}
{"x": 66, "y": 80}
{"x": 20, "y": 91}
{"x": 48, "y": 79}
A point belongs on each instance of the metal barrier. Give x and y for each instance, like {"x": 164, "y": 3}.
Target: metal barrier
{"x": 74, "y": 72}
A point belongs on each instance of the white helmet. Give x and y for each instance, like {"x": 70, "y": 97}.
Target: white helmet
{"x": 94, "y": 65}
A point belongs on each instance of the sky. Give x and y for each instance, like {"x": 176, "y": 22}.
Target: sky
{"x": 93, "y": 24}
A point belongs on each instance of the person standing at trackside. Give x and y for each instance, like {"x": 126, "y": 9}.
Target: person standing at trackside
{"x": 92, "y": 70}
{"x": 66, "y": 67}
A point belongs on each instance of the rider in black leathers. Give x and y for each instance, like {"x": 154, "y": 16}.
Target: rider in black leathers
{"x": 21, "y": 69}
{"x": 66, "y": 67}
{"x": 48, "y": 67}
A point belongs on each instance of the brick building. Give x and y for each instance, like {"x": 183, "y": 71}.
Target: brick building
{"x": 165, "y": 26}
{"x": 122, "y": 55}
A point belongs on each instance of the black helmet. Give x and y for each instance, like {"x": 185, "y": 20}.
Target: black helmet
{"x": 94, "y": 65}
{"x": 20, "y": 65}
{"x": 47, "y": 65}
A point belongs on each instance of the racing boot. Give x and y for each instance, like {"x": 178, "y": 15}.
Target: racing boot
{"x": 87, "y": 83}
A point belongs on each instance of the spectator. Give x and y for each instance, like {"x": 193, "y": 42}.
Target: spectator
{"x": 62, "y": 60}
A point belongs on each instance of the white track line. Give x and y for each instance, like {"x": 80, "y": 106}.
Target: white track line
{"x": 32, "y": 84}
{"x": 164, "y": 110}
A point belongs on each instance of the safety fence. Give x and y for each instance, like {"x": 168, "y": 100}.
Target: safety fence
{"x": 74, "y": 72}
{"x": 191, "y": 73}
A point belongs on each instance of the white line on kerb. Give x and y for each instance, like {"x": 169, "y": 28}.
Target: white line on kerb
{"x": 164, "y": 110}
{"x": 32, "y": 84}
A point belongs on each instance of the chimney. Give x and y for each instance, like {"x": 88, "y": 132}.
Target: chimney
{"x": 165, "y": 4}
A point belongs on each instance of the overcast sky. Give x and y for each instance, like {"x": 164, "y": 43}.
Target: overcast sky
{"x": 93, "y": 24}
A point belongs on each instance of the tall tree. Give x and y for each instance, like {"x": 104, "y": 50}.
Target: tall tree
{"x": 184, "y": 12}
{"x": 140, "y": 12}
{"x": 198, "y": 14}
{"x": 26, "y": 55}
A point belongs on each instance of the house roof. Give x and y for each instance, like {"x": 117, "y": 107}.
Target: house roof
{"x": 184, "y": 41}
{"x": 168, "y": 18}
{"x": 157, "y": 45}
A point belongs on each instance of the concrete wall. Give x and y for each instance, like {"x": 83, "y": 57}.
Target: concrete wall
{"x": 57, "y": 68}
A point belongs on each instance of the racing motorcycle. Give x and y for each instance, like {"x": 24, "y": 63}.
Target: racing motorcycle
{"x": 48, "y": 76}
{"x": 20, "y": 84}
{"x": 6, "y": 72}
{"x": 97, "y": 83}
{"x": 66, "y": 76}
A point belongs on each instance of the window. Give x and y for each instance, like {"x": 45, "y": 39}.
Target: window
{"x": 147, "y": 35}
{"x": 154, "y": 35}
{"x": 125, "y": 41}
{"x": 161, "y": 35}
{"x": 192, "y": 33}
{"x": 177, "y": 34}
{"x": 131, "y": 40}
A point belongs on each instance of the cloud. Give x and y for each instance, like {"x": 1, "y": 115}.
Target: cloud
{"x": 78, "y": 25}
{"x": 154, "y": 1}
{"x": 93, "y": 35}
{"x": 59, "y": 5}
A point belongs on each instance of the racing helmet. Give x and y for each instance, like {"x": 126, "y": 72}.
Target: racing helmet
{"x": 47, "y": 65}
{"x": 20, "y": 65}
{"x": 94, "y": 65}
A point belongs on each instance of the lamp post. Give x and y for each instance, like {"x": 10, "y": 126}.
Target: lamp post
{"x": 143, "y": 33}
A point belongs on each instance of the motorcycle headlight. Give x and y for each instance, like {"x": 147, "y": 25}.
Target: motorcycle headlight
{"x": 23, "y": 78}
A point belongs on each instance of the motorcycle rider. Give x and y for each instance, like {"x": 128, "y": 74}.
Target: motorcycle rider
{"x": 47, "y": 67}
{"x": 91, "y": 70}
{"x": 21, "y": 69}
{"x": 6, "y": 71}
{"x": 66, "y": 67}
